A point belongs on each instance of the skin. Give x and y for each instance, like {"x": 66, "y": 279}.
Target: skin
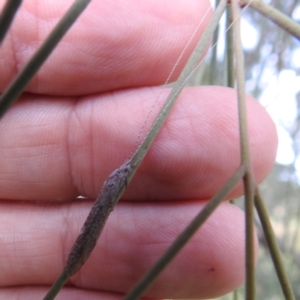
{"x": 80, "y": 119}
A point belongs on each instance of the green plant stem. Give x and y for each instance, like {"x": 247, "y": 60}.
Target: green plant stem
{"x": 7, "y": 16}
{"x": 230, "y": 82}
{"x": 177, "y": 88}
{"x": 56, "y": 287}
{"x": 276, "y": 16}
{"x": 245, "y": 154}
{"x": 17, "y": 86}
{"x": 213, "y": 62}
{"x": 273, "y": 247}
{"x": 184, "y": 237}
{"x": 235, "y": 295}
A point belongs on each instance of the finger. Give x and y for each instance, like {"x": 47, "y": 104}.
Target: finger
{"x": 61, "y": 149}
{"x": 113, "y": 45}
{"x": 210, "y": 265}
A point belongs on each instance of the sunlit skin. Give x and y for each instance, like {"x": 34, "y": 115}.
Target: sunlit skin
{"x": 80, "y": 119}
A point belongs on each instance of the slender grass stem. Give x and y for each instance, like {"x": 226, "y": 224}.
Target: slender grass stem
{"x": 17, "y": 86}
{"x": 184, "y": 237}
{"x": 7, "y": 16}
{"x": 273, "y": 247}
{"x": 276, "y": 16}
{"x": 177, "y": 88}
{"x": 245, "y": 154}
{"x": 230, "y": 82}
{"x": 229, "y": 60}
{"x": 57, "y": 286}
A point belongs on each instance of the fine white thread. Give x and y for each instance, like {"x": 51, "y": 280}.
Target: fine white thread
{"x": 214, "y": 45}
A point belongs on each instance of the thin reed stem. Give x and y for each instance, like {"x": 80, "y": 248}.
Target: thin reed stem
{"x": 179, "y": 85}
{"x": 184, "y": 237}
{"x": 57, "y": 286}
{"x": 230, "y": 78}
{"x": 273, "y": 247}
{"x": 7, "y": 16}
{"x": 245, "y": 154}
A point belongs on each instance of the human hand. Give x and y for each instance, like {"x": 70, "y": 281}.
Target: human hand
{"x": 80, "y": 119}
